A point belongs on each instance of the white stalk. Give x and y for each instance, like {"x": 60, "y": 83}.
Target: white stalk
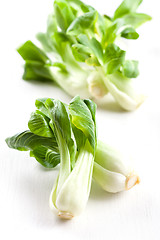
{"x": 122, "y": 90}
{"x": 65, "y": 169}
{"x": 111, "y": 159}
{"x": 73, "y": 83}
{"x": 72, "y": 198}
{"x": 110, "y": 172}
{"x": 65, "y": 166}
{"x": 109, "y": 181}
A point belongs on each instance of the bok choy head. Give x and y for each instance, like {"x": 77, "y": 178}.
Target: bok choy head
{"x": 71, "y": 190}
{"x": 80, "y": 51}
{"x": 64, "y": 134}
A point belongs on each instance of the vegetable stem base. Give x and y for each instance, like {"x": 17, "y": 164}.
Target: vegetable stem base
{"x": 131, "y": 180}
{"x": 65, "y": 215}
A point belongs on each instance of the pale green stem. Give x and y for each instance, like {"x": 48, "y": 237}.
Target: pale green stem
{"x": 73, "y": 196}
{"x": 65, "y": 166}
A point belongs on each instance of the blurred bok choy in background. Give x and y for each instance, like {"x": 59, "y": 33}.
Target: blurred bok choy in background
{"x": 80, "y": 51}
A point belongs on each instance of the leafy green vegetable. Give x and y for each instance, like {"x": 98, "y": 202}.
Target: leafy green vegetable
{"x": 78, "y": 42}
{"x": 64, "y": 134}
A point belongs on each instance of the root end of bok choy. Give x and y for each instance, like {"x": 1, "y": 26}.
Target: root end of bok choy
{"x": 65, "y": 215}
{"x": 96, "y": 84}
{"x": 131, "y": 180}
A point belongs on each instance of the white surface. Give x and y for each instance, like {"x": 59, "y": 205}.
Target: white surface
{"x": 25, "y": 186}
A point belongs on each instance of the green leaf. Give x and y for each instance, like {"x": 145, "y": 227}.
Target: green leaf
{"x": 83, "y": 39}
{"x": 40, "y": 104}
{"x": 108, "y": 18}
{"x": 29, "y": 141}
{"x": 34, "y": 70}
{"x": 92, "y": 107}
{"x": 129, "y": 33}
{"x": 130, "y": 69}
{"x": 46, "y": 38}
{"x": 61, "y": 38}
{"x": 93, "y": 45}
{"x": 136, "y": 19}
{"x": 36, "y": 65}
{"x": 80, "y": 138}
{"x": 60, "y": 121}
{"x": 127, "y": 6}
{"x": 130, "y": 20}
{"x": 92, "y": 61}
{"x": 39, "y": 125}
{"x": 86, "y": 8}
{"x": 100, "y": 26}
{"x": 59, "y": 116}
{"x": 81, "y": 52}
{"x": 77, "y": 3}
{"x": 46, "y": 157}
{"x": 30, "y": 51}
{"x": 83, "y": 119}
{"x": 97, "y": 49}
{"x": 114, "y": 58}
{"x": 63, "y": 13}
{"x": 51, "y": 25}
{"x": 82, "y": 23}
{"x": 111, "y": 31}
{"x": 62, "y": 43}
{"x": 43, "y": 39}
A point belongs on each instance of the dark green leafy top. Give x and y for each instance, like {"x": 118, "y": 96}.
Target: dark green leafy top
{"x": 76, "y": 32}
{"x": 52, "y": 122}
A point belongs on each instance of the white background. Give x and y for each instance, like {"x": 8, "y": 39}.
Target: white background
{"x": 25, "y": 186}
